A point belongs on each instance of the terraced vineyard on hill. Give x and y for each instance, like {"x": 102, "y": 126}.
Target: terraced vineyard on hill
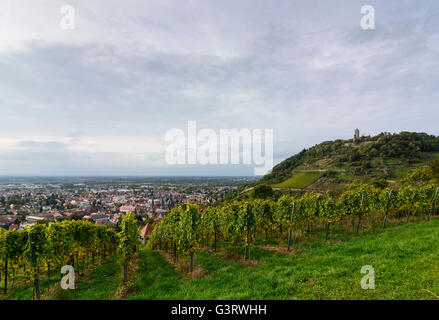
{"x": 389, "y": 157}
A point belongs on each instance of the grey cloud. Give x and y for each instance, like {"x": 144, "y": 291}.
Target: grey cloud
{"x": 45, "y": 145}
{"x": 304, "y": 68}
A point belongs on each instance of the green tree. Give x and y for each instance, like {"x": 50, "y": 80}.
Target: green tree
{"x": 263, "y": 192}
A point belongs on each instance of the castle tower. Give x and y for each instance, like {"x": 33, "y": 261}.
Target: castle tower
{"x": 357, "y": 134}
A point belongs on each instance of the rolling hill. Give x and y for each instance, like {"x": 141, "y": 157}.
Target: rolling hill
{"x": 332, "y": 164}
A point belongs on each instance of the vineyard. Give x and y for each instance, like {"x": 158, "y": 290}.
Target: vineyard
{"x": 204, "y": 237}
{"x": 189, "y": 227}
{"x": 43, "y": 248}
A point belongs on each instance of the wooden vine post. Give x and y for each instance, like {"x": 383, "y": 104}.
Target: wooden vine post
{"x": 291, "y": 225}
{"x": 6, "y": 275}
{"x": 215, "y": 226}
{"x": 125, "y": 267}
{"x": 248, "y": 222}
{"x": 192, "y": 251}
{"x": 327, "y": 231}
{"x": 387, "y": 209}
{"x": 433, "y": 205}
{"x": 34, "y": 266}
{"x": 359, "y": 214}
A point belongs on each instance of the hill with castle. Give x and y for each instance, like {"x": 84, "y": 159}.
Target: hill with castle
{"x": 383, "y": 159}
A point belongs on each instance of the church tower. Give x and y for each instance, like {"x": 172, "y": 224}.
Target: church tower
{"x": 152, "y": 203}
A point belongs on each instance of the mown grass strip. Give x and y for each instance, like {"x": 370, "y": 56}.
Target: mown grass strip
{"x": 300, "y": 180}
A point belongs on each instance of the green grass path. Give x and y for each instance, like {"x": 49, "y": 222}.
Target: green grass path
{"x": 100, "y": 284}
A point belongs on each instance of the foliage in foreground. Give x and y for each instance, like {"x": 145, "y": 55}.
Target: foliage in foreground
{"x": 44, "y": 247}
{"x": 240, "y": 222}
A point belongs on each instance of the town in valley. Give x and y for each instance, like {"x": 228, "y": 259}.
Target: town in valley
{"x": 26, "y": 201}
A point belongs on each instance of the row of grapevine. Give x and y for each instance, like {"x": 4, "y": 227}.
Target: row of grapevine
{"x": 41, "y": 248}
{"x": 241, "y": 221}
{"x": 128, "y": 244}
{"x": 180, "y": 231}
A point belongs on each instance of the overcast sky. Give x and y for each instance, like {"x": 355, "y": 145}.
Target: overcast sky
{"x": 99, "y": 99}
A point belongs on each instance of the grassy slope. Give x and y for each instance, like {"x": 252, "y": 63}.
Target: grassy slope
{"x": 101, "y": 282}
{"x": 24, "y": 291}
{"x": 406, "y": 263}
{"x": 300, "y": 180}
